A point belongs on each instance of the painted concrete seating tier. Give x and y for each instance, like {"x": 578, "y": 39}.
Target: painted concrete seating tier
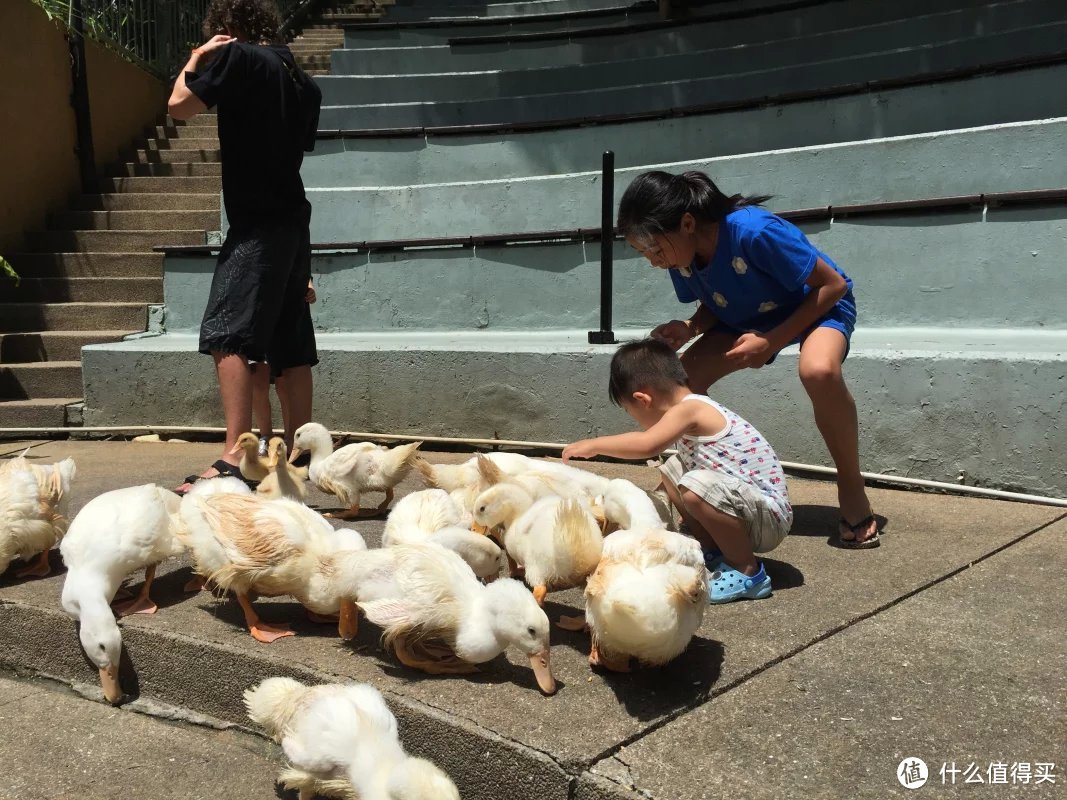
{"x": 424, "y": 10}
{"x": 866, "y": 28}
{"x": 379, "y": 102}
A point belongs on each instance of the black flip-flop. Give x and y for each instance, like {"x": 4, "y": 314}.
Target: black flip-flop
{"x": 855, "y": 544}
{"x": 225, "y": 470}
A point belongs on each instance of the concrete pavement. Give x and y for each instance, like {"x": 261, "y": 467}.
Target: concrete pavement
{"x": 962, "y": 590}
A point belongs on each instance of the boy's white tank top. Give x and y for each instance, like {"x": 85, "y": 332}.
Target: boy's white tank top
{"x": 738, "y": 450}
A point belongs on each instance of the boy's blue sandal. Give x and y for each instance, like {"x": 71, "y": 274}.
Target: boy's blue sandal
{"x": 727, "y": 585}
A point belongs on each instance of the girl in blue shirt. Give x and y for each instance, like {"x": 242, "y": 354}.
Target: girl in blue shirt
{"x": 761, "y": 285}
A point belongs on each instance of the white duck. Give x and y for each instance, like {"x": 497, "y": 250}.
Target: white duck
{"x": 432, "y": 517}
{"x": 113, "y": 535}
{"x": 272, "y": 547}
{"x": 342, "y": 741}
{"x": 421, "y": 592}
{"x": 353, "y": 469}
{"x": 627, "y": 506}
{"x": 646, "y": 598}
{"x": 557, "y": 541}
{"x": 33, "y": 504}
{"x": 284, "y": 479}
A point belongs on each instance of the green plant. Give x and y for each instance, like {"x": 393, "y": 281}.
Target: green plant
{"x": 8, "y": 271}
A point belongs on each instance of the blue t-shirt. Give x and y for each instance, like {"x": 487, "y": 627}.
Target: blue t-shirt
{"x": 756, "y": 278}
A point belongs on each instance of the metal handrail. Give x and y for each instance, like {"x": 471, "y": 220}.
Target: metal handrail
{"x": 1021, "y": 197}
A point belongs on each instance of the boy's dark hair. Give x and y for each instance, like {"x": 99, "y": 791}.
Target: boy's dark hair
{"x": 656, "y": 202}
{"x": 256, "y": 20}
{"x": 645, "y": 366}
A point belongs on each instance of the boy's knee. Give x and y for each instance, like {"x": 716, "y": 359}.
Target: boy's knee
{"x": 819, "y": 374}
{"x": 690, "y": 499}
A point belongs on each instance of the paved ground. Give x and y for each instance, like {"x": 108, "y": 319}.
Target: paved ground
{"x": 945, "y": 644}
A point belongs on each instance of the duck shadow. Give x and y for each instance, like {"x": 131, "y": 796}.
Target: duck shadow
{"x": 648, "y": 693}
{"x": 56, "y": 567}
{"x": 818, "y": 520}
{"x": 167, "y": 590}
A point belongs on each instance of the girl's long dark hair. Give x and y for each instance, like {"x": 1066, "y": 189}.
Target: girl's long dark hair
{"x": 656, "y": 202}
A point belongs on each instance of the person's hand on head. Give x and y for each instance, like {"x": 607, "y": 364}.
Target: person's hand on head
{"x": 675, "y": 334}
{"x": 214, "y": 43}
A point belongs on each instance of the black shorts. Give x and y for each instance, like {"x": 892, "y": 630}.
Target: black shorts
{"x": 257, "y": 307}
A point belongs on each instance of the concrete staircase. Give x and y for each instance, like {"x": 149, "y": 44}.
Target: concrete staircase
{"x": 89, "y": 277}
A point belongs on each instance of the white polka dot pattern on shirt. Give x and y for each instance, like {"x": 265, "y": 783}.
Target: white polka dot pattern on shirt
{"x": 720, "y": 301}
{"x": 770, "y": 305}
{"x": 740, "y": 267}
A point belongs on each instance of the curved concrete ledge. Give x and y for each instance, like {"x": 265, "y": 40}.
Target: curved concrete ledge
{"x": 934, "y": 403}
{"x": 744, "y": 42}
{"x": 947, "y": 163}
{"x": 345, "y": 109}
{"x": 494, "y": 733}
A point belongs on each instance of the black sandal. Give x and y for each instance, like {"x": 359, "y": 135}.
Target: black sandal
{"x": 856, "y": 544}
{"x": 225, "y": 470}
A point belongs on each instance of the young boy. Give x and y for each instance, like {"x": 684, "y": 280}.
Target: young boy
{"x": 725, "y": 479}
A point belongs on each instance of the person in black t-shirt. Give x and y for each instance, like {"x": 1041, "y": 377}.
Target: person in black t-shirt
{"x": 257, "y": 324}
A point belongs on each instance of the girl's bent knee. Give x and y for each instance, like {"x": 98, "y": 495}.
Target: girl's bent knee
{"x": 821, "y": 375}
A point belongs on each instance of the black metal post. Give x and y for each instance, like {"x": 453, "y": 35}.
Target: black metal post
{"x": 79, "y": 99}
{"x": 607, "y": 242}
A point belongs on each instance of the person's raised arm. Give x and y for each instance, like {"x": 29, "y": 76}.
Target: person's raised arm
{"x": 639, "y": 444}
{"x": 183, "y": 104}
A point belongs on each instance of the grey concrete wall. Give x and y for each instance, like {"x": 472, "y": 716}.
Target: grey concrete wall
{"x": 949, "y": 163}
{"x": 387, "y": 37}
{"x": 855, "y": 53}
{"x": 1003, "y": 271}
{"x": 926, "y": 20}
{"x": 932, "y": 403}
{"x": 344, "y": 107}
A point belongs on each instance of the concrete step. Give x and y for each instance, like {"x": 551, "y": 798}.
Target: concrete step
{"x": 31, "y": 346}
{"x": 198, "y": 156}
{"x": 149, "y": 201}
{"x": 163, "y": 185}
{"x": 139, "y": 220}
{"x": 45, "y": 412}
{"x": 110, "y": 241}
{"x": 24, "y": 317}
{"x": 186, "y": 170}
{"x": 208, "y": 133}
{"x": 206, "y": 123}
{"x": 314, "y": 72}
{"x": 181, "y": 143}
{"x": 89, "y": 290}
{"x": 43, "y": 379}
{"x": 88, "y": 265}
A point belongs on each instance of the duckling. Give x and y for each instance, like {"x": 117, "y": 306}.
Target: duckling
{"x": 342, "y": 741}
{"x": 284, "y": 479}
{"x": 646, "y": 598}
{"x": 557, "y": 542}
{"x": 353, "y": 469}
{"x": 432, "y": 517}
{"x": 113, "y": 535}
{"x": 33, "y": 504}
{"x": 275, "y": 547}
{"x": 253, "y": 466}
{"x": 421, "y": 593}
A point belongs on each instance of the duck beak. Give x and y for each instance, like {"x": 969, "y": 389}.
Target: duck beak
{"x": 235, "y": 450}
{"x": 272, "y": 462}
{"x": 109, "y": 682}
{"x": 482, "y": 529}
{"x": 296, "y": 452}
{"x": 542, "y": 667}
{"x": 348, "y": 621}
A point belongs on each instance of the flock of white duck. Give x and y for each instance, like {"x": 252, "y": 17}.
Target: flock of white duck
{"x": 434, "y": 587}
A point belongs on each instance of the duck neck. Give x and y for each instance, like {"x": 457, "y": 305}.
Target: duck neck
{"x": 321, "y": 446}
{"x": 476, "y": 638}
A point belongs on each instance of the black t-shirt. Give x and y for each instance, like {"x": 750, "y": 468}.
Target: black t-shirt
{"x": 268, "y": 113}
